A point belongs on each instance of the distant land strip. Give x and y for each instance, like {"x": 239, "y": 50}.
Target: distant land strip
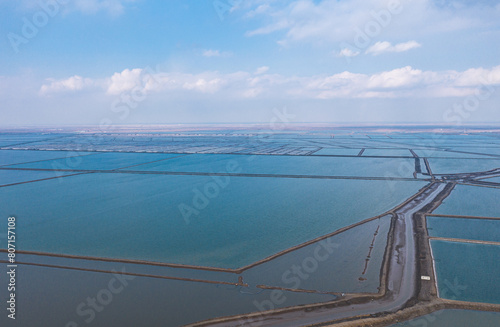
{"x": 461, "y": 240}
{"x": 127, "y": 261}
{"x": 310, "y": 153}
{"x": 145, "y": 172}
{"x": 35, "y": 141}
{"x": 299, "y": 290}
{"x": 250, "y": 153}
{"x": 128, "y": 273}
{"x": 465, "y": 217}
{"x": 479, "y": 185}
{"x": 43, "y": 179}
{"x": 486, "y": 177}
{"x": 60, "y": 158}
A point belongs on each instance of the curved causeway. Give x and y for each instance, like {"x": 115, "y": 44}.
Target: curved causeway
{"x": 399, "y": 289}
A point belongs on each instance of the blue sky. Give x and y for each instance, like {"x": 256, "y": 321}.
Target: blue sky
{"x": 197, "y": 61}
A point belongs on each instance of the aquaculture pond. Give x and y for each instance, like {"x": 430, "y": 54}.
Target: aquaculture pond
{"x": 467, "y": 272}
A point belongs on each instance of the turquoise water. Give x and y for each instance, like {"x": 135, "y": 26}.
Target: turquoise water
{"x": 455, "y": 318}
{"x": 454, "y": 166}
{"x": 103, "y": 161}
{"x": 330, "y": 269}
{"x": 467, "y": 272}
{"x": 471, "y": 229}
{"x": 471, "y": 201}
{"x": 292, "y": 165}
{"x": 137, "y": 216}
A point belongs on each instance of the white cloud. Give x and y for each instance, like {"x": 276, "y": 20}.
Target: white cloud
{"x": 397, "y": 83}
{"x": 261, "y": 70}
{"x": 384, "y": 47}
{"x": 204, "y": 85}
{"x": 74, "y": 83}
{"x": 399, "y": 78}
{"x": 345, "y": 52}
{"x": 479, "y": 76}
{"x": 146, "y": 80}
{"x": 125, "y": 81}
{"x": 216, "y": 53}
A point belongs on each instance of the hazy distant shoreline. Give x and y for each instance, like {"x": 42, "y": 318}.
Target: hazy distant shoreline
{"x": 230, "y": 128}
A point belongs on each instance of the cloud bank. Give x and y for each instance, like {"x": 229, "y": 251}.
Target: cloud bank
{"x": 397, "y": 83}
